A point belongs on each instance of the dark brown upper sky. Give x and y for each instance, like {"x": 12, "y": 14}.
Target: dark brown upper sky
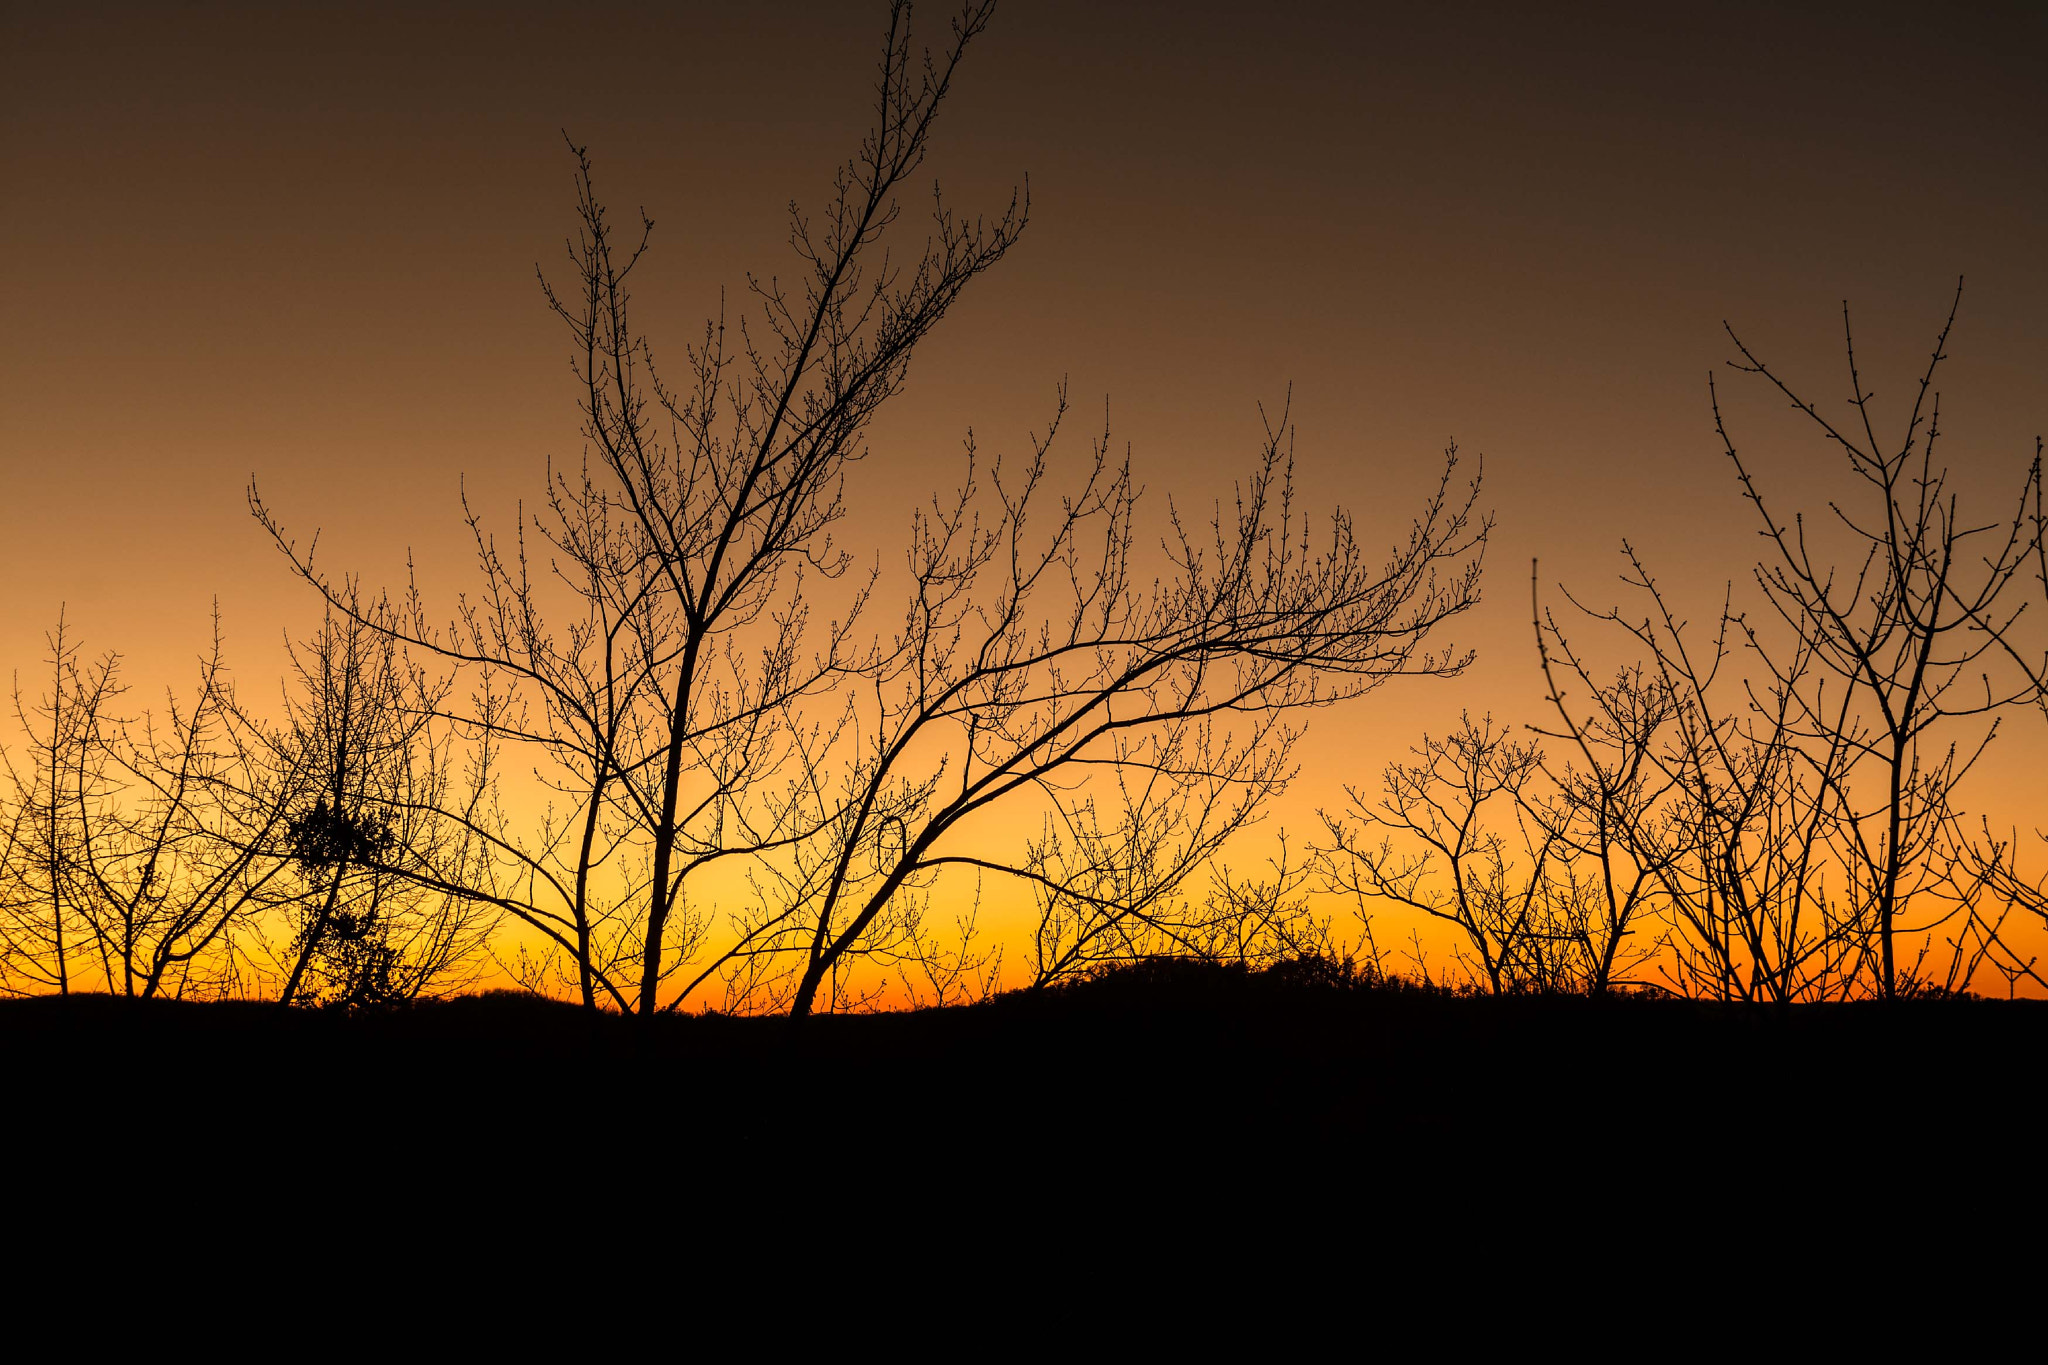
{"x": 299, "y": 241}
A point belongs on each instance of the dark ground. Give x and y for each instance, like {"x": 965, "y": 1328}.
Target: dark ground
{"x": 1188, "y": 1068}
{"x": 1238, "y": 1164}
{"x": 1184, "y": 1151}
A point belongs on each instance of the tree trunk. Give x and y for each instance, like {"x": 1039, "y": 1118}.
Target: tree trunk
{"x": 313, "y": 937}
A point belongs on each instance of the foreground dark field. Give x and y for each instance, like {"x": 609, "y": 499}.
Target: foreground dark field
{"x": 1184, "y": 1068}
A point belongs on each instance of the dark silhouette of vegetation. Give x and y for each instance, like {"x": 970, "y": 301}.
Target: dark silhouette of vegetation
{"x": 668, "y": 686}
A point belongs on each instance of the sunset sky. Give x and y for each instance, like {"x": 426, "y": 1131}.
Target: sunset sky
{"x": 298, "y": 242}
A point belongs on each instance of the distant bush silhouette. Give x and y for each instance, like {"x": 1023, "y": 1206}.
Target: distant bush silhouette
{"x": 1154, "y": 981}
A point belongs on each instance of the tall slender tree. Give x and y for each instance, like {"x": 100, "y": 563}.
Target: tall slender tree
{"x": 650, "y": 663}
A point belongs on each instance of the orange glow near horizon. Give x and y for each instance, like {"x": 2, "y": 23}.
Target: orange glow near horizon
{"x": 298, "y": 245}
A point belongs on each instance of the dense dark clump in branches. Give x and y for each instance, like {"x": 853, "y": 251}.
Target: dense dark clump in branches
{"x": 325, "y": 837}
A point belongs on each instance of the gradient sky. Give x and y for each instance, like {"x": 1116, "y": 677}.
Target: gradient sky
{"x": 299, "y": 242}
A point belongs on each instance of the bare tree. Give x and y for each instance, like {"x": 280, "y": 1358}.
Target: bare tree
{"x": 2000, "y": 863}
{"x": 372, "y": 839}
{"x": 1437, "y": 851}
{"x": 1775, "y": 794}
{"x": 1110, "y": 890}
{"x": 2006, "y": 884}
{"x": 42, "y": 928}
{"x": 650, "y": 666}
{"x": 151, "y": 843}
{"x": 1737, "y": 810}
{"x": 1029, "y": 661}
{"x": 1608, "y": 813}
{"x": 1902, "y": 646}
{"x": 184, "y": 849}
